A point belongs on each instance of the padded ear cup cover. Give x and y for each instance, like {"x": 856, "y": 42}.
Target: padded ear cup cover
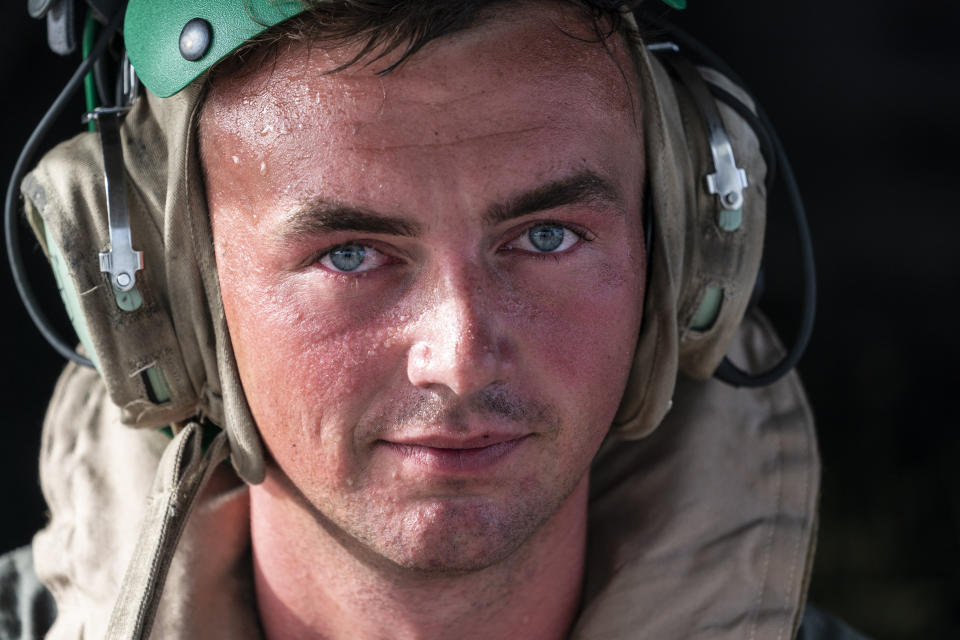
{"x": 181, "y": 327}
{"x": 729, "y": 260}
{"x": 689, "y": 251}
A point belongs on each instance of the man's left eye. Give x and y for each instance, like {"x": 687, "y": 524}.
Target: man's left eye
{"x": 545, "y": 237}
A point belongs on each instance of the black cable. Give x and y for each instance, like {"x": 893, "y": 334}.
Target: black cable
{"x": 12, "y": 200}
{"x": 686, "y": 41}
{"x": 118, "y": 88}
{"x": 100, "y": 75}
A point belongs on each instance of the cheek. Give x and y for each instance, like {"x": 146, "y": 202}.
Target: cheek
{"x": 308, "y": 382}
{"x": 308, "y": 363}
{"x": 580, "y": 324}
{"x": 299, "y": 350}
{"x": 581, "y": 340}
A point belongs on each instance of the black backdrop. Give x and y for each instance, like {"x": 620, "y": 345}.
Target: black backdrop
{"x": 866, "y": 98}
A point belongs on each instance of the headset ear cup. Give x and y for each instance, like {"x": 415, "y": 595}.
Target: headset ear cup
{"x": 691, "y": 254}
{"x": 722, "y": 256}
{"x": 176, "y": 339}
{"x": 135, "y": 346}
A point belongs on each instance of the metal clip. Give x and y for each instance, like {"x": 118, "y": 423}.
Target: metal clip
{"x": 728, "y": 180}
{"x": 130, "y": 84}
{"x": 121, "y": 261}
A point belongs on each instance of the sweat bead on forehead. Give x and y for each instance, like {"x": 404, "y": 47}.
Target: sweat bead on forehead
{"x": 257, "y": 117}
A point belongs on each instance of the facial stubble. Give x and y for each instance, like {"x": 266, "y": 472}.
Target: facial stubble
{"x": 450, "y": 530}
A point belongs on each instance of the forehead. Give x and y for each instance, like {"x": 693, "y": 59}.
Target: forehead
{"x": 472, "y": 115}
{"x": 538, "y": 58}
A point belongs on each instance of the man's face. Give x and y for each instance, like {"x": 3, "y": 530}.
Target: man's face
{"x": 433, "y": 279}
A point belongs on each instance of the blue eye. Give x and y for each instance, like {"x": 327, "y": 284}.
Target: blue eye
{"x": 546, "y": 237}
{"x": 347, "y": 257}
{"x": 353, "y": 258}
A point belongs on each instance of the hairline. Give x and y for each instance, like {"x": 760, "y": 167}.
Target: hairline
{"x": 254, "y": 55}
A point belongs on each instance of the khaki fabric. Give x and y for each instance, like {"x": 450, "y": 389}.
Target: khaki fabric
{"x": 706, "y": 529}
{"x": 703, "y": 530}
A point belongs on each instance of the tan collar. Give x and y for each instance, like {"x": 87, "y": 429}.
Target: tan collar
{"x": 706, "y": 529}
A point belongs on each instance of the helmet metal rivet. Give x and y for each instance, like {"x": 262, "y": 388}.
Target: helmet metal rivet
{"x": 195, "y": 39}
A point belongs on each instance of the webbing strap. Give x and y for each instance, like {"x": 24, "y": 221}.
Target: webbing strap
{"x": 183, "y": 471}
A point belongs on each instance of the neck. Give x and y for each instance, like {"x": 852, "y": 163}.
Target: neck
{"x": 310, "y": 585}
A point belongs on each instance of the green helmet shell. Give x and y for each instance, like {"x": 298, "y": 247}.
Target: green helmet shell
{"x": 152, "y": 31}
{"x": 152, "y": 35}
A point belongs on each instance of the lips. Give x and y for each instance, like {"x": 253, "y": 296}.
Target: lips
{"x": 452, "y": 455}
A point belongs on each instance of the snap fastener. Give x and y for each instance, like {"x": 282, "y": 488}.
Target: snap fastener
{"x": 195, "y": 39}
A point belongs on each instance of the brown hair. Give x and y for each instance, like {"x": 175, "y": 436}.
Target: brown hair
{"x": 382, "y": 27}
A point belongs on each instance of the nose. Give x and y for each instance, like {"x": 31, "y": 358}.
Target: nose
{"x": 460, "y": 341}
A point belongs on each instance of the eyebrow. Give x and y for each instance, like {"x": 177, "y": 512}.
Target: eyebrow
{"x": 318, "y": 216}
{"x": 581, "y": 188}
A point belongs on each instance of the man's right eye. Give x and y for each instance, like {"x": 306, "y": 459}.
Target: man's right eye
{"x": 352, "y": 257}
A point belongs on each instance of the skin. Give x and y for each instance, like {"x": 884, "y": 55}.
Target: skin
{"x": 430, "y": 417}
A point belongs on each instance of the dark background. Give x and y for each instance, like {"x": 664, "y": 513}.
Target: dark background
{"x": 866, "y": 98}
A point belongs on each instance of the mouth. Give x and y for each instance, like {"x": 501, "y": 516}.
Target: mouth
{"x": 443, "y": 454}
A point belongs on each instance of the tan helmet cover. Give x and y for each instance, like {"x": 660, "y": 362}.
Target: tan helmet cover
{"x": 181, "y": 327}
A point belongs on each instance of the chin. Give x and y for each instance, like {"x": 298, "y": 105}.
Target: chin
{"x": 456, "y": 535}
